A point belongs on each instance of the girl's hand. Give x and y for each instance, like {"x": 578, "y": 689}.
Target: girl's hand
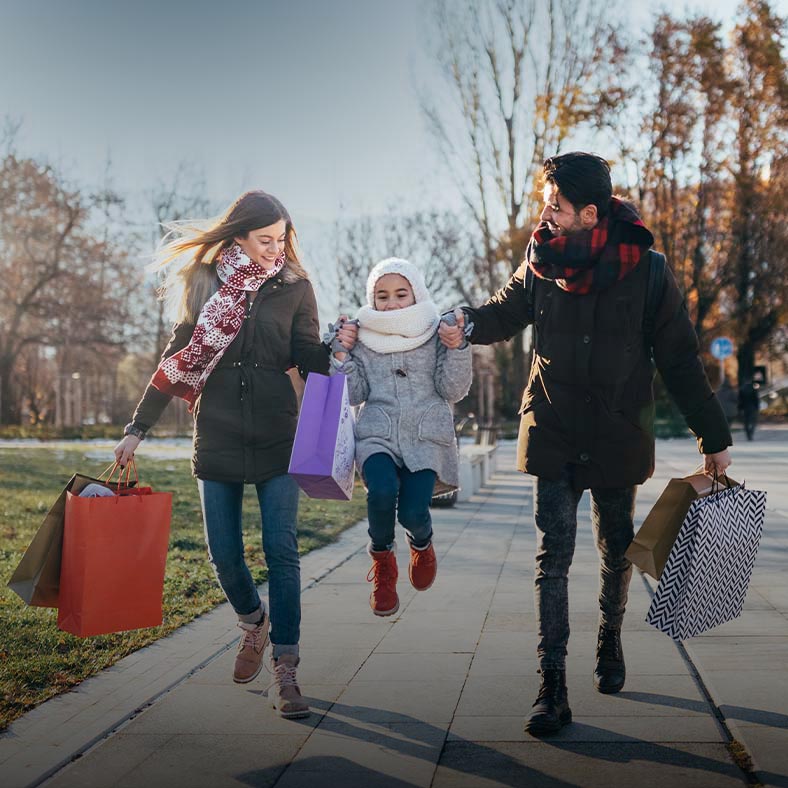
{"x": 453, "y": 336}
{"x": 124, "y": 451}
{"x": 347, "y": 334}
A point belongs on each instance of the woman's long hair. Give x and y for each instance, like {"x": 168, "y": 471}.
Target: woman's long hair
{"x": 190, "y": 279}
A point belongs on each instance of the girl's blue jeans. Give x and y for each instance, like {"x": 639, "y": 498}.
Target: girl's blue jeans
{"x": 394, "y": 491}
{"x": 221, "y": 506}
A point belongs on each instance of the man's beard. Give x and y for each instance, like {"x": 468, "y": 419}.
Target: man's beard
{"x": 558, "y": 231}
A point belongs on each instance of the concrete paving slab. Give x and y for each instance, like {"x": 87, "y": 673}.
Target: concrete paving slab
{"x": 405, "y": 751}
{"x": 740, "y": 654}
{"x": 381, "y": 666}
{"x": 105, "y": 765}
{"x": 417, "y": 639}
{"x": 323, "y": 666}
{"x": 569, "y": 765}
{"x": 419, "y": 621}
{"x": 498, "y": 644}
{"x": 201, "y": 708}
{"x": 214, "y": 761}
{"x": 508, "y": 621}
{"x": 641, "y": 659}
{"x": 324, "y": 775}
{"x": 766, "y": 745}
{"x": 657, "y": 696}
{"x": 356, "y": 635}
{"x": 756, "y": 622}
{"x": 401, "y": 701}
{"x": 757, "y": 698}
{"x": 701, "y": 728}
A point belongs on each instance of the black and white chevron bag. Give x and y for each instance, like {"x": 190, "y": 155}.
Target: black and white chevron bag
{"x": 708, "y": 570}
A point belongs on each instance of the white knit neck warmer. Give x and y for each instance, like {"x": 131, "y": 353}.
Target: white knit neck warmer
{"x": 397, "y": 330}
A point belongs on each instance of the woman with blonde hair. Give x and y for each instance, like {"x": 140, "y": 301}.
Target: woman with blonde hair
{"x": 246, "y": 313}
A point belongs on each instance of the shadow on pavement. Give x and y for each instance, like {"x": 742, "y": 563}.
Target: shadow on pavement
{"x": 413, "y": 738}
{"x": 769, "y": 719}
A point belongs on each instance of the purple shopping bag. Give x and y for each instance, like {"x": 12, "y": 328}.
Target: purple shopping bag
{"x": 323, "y": 458}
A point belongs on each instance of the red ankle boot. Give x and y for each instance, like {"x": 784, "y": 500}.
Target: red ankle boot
{"x": 383, "y": 575}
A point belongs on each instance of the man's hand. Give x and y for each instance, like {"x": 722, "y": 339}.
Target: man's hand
{"x": 719, "y": 462}
{"x": 453, "y": 336}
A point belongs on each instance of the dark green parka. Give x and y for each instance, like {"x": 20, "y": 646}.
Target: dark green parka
{"x": 589, "y": 402}
{"x": 245, "y": 417}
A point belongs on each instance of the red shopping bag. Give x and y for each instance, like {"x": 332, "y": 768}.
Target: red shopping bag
{"x": 112, "y": 566}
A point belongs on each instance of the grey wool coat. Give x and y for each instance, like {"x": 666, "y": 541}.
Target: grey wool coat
{"x": 406, "y": 412}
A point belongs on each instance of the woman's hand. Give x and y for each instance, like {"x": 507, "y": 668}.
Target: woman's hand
{"x": 124, "y": 451}
{"x": 347, "y": 334}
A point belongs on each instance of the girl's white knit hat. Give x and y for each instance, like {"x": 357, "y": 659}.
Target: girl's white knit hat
{"x": 396, "y": 265}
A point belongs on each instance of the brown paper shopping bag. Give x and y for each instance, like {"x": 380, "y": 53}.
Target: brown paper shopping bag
{"x": 654, "y": 540}
{"x": 37, "y": 577}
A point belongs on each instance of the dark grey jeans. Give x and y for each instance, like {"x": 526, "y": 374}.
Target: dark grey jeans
{"x": 555, "y": 513}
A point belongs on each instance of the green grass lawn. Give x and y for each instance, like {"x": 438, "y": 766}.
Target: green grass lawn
{"x": 37, "y": 660}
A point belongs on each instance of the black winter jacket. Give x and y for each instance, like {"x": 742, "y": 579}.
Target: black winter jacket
{"x": 589, "y": 402}
{"x": 245, "y": 417}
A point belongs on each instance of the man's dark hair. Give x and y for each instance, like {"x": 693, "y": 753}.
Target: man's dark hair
{"x": 583, "y": 178}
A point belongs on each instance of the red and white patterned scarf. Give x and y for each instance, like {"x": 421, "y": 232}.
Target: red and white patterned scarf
{"x": 184, "y": 373}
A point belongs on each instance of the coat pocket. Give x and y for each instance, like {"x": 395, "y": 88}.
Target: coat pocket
{"x": 373, "y": 422}
{"x": 437, "y": 424}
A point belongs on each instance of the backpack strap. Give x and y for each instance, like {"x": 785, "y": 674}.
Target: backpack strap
{"x": 529, "y": 294}
{"x": 654, "y": 288}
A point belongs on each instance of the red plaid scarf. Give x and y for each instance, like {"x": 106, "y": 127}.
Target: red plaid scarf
{"x": 591, "y": 260}
{"x": 184, "y": 373}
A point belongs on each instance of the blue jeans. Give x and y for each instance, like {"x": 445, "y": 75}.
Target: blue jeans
{"x": 555, "y": 514}
{"x": 390, "y": 490}
{"x": 221, "y": 507}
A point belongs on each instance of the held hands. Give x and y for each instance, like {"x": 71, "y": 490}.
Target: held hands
{"x": 719, "y": 462}
{"x": 347, "y": 335}
{"x": 453, "y": 337}
{"x": 124, "y": 451}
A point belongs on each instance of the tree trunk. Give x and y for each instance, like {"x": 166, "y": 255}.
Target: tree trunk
{"x": 9, "y": 407}
{"x": 746, "y": 358}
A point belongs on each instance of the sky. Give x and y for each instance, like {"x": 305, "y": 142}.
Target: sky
{"x": 315, "y": 101}
{"x": 312, "y": 100}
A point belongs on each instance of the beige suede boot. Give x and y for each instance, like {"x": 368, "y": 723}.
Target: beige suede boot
{"x": 249, "y": 658}
{"x": 284, "y": 690}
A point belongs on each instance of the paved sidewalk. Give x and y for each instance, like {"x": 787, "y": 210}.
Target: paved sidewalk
{"x": 436, "y": 696}
{"x": 744, "y": 663}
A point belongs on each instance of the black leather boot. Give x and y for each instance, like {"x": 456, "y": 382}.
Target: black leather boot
{"x": 551, "y": 709}
{"x": 610, "y": 671}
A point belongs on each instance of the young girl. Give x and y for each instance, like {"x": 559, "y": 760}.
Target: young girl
{"x": 246, "y": 313}
{"x": 405, "y": 439}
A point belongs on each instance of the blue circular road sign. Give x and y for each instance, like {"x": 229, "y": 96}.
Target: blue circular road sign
{"x": 721, "y": 347}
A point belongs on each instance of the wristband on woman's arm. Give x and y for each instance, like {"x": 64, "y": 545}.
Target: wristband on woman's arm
{"x": 132, "y": 429}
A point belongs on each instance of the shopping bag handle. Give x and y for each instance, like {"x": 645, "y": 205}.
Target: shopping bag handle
{"x": 716, "y": 478}
{"x": 131, "y": 465}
